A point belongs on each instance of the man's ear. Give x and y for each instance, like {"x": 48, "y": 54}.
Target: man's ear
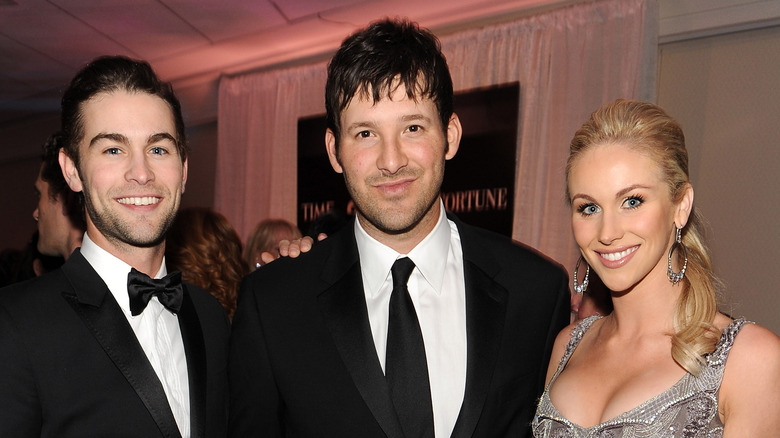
{"x": 685, "y": 207}
{"x": 70, "y": 172}
{"x": 454, "y": 133}
{"x": 184, "y": 175}
{"x": 333, "y": 156}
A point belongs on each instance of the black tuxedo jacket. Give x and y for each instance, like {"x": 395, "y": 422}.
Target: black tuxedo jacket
{"x": 71, "y": 366}
{"x": 303, "y": 362}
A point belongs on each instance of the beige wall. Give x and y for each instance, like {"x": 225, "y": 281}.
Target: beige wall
{"x": 725, "y": 91}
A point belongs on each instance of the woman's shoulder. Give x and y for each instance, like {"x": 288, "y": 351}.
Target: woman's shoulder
{"x": 567, "y": 338}
{"x": 750, "y": 390}
{"x": 563, "y": 338}
{"x": 755, "y": 344}
{"x": 559, "y": 349}
{"x": 573, "y": 333}
{"x": 750, "y": 339}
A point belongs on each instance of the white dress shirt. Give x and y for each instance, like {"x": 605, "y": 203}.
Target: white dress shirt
{"x": 156, "y": 328}
{"x": 438, "y": 291}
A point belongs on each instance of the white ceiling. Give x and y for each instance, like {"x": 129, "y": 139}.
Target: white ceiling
{"x": 43, "y": 43}
{"x": 192, "y": 42}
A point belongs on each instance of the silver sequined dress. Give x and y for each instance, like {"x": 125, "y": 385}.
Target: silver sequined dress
{"x": 689, "y": 409}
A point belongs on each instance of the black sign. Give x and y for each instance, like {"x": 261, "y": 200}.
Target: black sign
{"x": 478, "y": 182}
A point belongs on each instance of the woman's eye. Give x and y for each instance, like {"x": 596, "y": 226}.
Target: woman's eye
{"x": 414, "y": 128}
{"x": 633, "y": 202}
{"x": 587, "y": 209}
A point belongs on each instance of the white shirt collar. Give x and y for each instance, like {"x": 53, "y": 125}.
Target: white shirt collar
{"x": 430, "y": 255}
{"x": 112, "y": 270}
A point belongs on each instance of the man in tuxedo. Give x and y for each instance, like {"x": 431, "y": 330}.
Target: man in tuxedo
{"x": 407, "y": 322}
{"x": 59, "y": 214}
{"x": 98, "y": 348}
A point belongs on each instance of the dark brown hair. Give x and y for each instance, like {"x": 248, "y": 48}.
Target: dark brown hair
{"x": 109, "y": 74}
{"x": 388, "y": 53}
{"x": 51, "y": 172}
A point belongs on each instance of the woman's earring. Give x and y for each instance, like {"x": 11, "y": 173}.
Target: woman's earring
{"x": 675, "y": 277}
{"x": 580, "y": 288}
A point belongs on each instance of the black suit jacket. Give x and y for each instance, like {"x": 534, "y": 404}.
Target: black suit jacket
{"x": 71, "y": 366}
{"x": 303, "y": 362}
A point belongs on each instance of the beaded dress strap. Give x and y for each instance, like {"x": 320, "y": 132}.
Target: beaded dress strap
{"x": 718, "y": 356}
{"x": 576, "y": 336}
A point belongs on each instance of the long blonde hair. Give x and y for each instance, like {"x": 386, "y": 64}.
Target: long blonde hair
{"x": 650, "y": 130}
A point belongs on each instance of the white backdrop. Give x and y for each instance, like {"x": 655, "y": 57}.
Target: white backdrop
{"x": 568, "y": 62}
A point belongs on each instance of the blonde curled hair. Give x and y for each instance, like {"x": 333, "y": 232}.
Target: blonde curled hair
{"x": 647, "y": 128}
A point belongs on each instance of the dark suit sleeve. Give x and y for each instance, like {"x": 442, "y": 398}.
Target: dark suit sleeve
{"x": 255, "y": 405}
{"x": 20, "y": 411}
{"x": 560, "y": 319}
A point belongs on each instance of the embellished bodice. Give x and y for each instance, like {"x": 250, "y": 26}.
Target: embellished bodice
{"x": 689, "y": 409}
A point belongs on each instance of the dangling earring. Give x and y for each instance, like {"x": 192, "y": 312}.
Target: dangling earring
{"x": 580, "y": 288}
{"x": 675, "y": 277}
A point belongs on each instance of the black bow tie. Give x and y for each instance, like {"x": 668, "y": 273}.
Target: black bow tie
{"x": 141, "y": 289}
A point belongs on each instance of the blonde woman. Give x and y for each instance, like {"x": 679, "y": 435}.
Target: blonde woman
{"x": 665, "y": 362}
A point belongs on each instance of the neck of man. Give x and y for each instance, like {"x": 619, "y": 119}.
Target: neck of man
{"x": 404, "y": 242}
{"x": 146, "y": 259}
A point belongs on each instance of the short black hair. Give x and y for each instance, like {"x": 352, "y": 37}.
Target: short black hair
{"x": 108, "y": 74}
{"x": 384, "y": 55}
{"x": 58, "y": 187}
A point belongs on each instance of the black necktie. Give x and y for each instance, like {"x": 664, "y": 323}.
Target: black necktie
{"x": 141, "y": 289}
{"x": 406, "y": 369}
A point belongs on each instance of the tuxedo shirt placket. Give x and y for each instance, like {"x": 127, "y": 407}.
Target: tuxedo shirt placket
{"x": 167, "y": 363}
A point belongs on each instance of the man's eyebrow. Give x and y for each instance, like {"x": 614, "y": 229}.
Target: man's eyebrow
{"x": 413, "y": 117}
{"x": 119, "y": 138}
{"x": 362, "y": 124}
{"x": 154, "y": 138}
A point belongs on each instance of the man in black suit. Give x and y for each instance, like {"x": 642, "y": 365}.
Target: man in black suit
{"x": 407, "y": 322}
{"x": 98, "y": 348}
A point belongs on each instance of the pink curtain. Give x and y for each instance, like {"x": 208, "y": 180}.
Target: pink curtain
{"x": 568, "y": 62}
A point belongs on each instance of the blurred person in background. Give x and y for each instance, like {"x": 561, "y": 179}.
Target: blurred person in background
{"x": 265, "y": 238}
{"x": 207, "y": 250}
{"x": 59, "y": 213}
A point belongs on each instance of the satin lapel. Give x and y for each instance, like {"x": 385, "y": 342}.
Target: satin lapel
{"x": 343, "y": 306}
{"x": 195, "y": 351}
{"x": 93, "y": 303}
{"x": 485, "y": 314}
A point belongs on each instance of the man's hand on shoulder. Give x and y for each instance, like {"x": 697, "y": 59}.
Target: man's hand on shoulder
{"x": 292, "y": 248}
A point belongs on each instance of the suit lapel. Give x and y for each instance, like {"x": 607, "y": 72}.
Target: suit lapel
{"x": 485, "y": 309}
{"x": 485, "y": 314}
{"x": 343, "y": 306}
{"x": 93, "y": 303}
{"x": 195, "y": 351}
